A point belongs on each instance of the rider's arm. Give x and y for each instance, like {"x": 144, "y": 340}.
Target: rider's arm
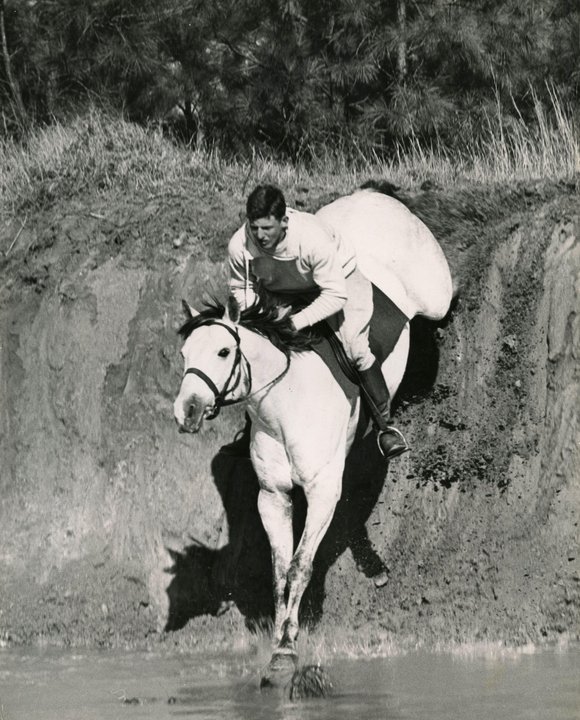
{"x": 321, "y": 257}
{"x": 240, "y": 282}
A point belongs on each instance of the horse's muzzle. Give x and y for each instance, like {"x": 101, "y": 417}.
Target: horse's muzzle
{"x": 188, "y": 417}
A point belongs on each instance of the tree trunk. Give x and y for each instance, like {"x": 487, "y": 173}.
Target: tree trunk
{"x": 191, "y": 123}
{"x": 402, "y": 45}
{"x": 19, "y": 109}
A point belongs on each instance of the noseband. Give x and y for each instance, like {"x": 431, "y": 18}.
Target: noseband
{"x": 220, "y": 396}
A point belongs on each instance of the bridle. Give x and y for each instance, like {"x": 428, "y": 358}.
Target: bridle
{"x": 230, "y": 385}
{"x": 240, "y": 367}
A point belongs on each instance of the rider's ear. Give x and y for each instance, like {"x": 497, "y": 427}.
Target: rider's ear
{"x": 188, "y": 310}
{"x": 233, "y": 310}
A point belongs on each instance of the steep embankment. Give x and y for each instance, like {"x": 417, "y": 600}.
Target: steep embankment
{"x": 114, "y": 526}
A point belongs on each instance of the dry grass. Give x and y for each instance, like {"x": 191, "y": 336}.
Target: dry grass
{"x": 550, "y": 148}
{"x": 97, "y": 153}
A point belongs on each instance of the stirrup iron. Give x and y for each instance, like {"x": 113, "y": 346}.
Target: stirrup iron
{"x": 397, "y": 451}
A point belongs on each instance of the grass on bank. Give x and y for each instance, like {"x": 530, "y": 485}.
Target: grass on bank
{"x": 95, "y": 152}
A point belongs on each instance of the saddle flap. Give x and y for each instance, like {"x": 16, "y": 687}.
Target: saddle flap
{"x": 387, "y": 323}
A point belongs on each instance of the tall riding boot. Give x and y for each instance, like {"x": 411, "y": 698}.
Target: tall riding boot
{"x": 390, "y": 440}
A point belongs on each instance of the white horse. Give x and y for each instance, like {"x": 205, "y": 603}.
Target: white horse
{"x": 303, "y": 425}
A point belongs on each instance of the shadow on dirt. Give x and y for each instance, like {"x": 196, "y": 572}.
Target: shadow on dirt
{"x": 207, "y": 581}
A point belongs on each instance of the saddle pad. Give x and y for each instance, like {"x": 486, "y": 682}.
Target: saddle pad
{"x": 387, "y": 324}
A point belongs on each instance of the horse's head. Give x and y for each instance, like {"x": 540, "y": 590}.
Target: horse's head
{"x": 214, "y": 369}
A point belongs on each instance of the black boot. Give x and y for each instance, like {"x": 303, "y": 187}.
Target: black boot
{"x": 390, "y": 440}
{"x": 240, "y": 445}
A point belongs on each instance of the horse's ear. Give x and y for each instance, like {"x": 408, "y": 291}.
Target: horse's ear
{"x": 233, "y": 310}
{"x": 188, "y": 310}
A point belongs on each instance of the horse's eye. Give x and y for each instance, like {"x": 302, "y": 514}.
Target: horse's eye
{"x": 224, "y": 352}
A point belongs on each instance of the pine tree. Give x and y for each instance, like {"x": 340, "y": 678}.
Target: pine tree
{"x": 12, "y": 85}
{"x": 296, "y": 75}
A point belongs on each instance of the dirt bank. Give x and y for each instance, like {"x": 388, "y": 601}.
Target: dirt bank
{"x": 115, "y": 529}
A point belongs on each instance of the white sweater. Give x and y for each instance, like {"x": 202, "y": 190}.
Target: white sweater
{"x": 311, "y": 256}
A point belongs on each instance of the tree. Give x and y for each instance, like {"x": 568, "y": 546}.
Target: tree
{"x": 14, "y": 88}
{"x": 294, "y": 76}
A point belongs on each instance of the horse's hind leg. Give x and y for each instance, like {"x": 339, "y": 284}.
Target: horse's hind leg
{"x": 322, "y": 495}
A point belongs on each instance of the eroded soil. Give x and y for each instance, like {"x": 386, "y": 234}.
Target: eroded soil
{"x": 117, "y": 530}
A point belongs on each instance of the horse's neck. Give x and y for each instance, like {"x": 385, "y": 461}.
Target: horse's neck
{"x": 266, "y": 361}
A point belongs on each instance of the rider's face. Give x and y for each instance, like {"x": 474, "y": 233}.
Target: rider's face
{"x": 267, "y": 232}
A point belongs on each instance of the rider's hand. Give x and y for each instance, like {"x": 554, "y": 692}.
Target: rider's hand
{"x": 284, "y": 312}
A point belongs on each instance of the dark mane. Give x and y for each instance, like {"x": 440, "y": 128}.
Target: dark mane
{"x": 261, "y": 317}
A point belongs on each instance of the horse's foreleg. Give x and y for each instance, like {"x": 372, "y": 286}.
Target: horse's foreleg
{"x": 275, "y": 510}
{"x": 322, "y": 495}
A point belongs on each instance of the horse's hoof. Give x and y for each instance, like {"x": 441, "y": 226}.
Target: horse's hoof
{"x": 381, "y": 579}
{"x": 310, "y": 681}
{"x": 284, "y": 650}
{"x": 280, "y": 670}
{"x": 283, "y": 659}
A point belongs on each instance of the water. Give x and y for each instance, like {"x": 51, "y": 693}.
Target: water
{"x": 468, "y": 685}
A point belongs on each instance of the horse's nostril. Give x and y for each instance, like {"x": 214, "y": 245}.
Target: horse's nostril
{"x": 189, "y": 414}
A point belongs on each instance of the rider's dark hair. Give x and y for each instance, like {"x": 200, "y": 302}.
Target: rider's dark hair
{"x": 266, "y": 200}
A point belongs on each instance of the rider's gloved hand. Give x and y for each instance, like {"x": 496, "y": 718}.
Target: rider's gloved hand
{"x": 292, "y": 326}
{"x": 284, "y": 311}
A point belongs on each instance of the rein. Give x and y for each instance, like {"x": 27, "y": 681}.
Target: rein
{"x": 220, "y": 396}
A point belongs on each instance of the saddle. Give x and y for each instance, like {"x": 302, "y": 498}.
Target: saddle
{"x": 386, "y": 326}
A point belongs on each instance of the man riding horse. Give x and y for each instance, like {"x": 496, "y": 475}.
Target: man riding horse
{"x": 298, "y": 256}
